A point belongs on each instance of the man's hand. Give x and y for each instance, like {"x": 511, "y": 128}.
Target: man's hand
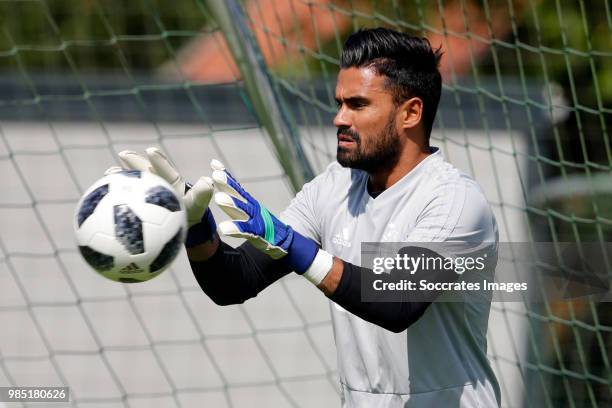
{"x": 253, "y": 222}
{"x": 202, "y": 227}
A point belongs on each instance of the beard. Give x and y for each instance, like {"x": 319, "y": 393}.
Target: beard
{"x": 381, "y": 152}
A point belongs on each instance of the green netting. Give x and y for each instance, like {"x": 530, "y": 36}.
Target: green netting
{"x": 525, "y": 110}
{"x": 543, "y": 68}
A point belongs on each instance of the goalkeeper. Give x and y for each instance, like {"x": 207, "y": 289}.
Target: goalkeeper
{"x": 388, "y": 184}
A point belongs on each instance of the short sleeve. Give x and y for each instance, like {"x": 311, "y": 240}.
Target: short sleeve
{"x": 458, "y": 222}
{"x": 456, "y": 212}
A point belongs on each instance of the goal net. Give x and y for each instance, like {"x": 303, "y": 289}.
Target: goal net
{"x": 525, "y": 110}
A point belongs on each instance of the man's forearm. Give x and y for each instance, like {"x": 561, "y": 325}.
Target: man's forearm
{"x": 233, "y": 275}
{"x": 330, "y": 283}
{"x": 343, "y": 285}
{"x": 204, "y": 251}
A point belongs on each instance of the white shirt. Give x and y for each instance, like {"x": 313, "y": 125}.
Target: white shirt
{"x": 439, "y": 361}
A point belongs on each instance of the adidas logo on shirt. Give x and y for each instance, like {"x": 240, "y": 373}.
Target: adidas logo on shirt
{"x": 342, "y": 239}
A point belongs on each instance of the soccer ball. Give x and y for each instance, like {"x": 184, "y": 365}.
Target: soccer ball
{"x": 129, "y": 226}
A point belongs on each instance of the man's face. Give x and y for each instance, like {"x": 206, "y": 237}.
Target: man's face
{"x": 366, "y": 120}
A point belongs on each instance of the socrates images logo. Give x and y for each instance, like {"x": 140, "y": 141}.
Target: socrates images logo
{"x": 343, "y": 238}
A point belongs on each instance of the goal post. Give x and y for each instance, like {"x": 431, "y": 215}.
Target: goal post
{"x": 271, "y": 110}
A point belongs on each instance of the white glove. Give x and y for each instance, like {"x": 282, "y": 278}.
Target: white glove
{"x": 195, "y": 199}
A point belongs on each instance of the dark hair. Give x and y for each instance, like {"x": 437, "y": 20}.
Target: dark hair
{"x": 409, "y": 63}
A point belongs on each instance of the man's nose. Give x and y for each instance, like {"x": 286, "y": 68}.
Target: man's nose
{"x": 342, "y": 119}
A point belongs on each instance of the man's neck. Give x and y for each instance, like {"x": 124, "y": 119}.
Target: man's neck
{"x": 385, "y": 178}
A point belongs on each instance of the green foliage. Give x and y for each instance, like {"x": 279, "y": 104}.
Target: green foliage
{"x": 563, "y": 41}
{"x": 95, "y": 35}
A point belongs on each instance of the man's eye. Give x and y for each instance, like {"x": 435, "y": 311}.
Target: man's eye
{"x": 352, "y": 104}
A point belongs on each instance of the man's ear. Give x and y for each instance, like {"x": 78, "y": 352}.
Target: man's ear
{"x": 411, "y": 113}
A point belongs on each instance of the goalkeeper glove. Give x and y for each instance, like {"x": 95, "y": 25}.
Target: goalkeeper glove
{"x": 253, "y": 222}
{"x": 196, "y": 197}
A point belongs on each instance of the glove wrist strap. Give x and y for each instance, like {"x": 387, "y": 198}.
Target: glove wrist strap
{"x": 305, "y": 258}
{"x": 301, "y": 251}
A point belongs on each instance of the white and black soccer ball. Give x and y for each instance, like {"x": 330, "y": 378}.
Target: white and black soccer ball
{"x": 129, "y": 226}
